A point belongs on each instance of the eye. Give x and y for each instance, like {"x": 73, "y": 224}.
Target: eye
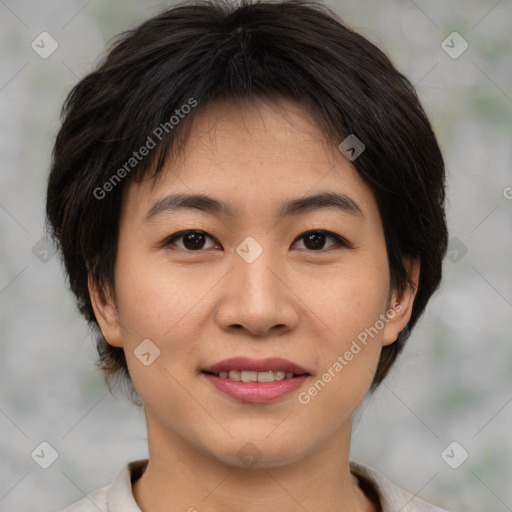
{"x": 315, "y": 240}
{"x": 195, "y": 240}
{"x": 191, "y": 240}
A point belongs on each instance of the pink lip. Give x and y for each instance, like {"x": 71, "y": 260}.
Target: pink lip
{"x": 256, "y": 392}
{"x": 255, "y": 365}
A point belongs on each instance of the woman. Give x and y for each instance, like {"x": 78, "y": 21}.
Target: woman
{"x": 249, "y": 201}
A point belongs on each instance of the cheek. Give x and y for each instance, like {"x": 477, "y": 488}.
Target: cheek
{"x": 350, "y": 345}
{"x": 162, "y": 304}
{"x": 351, "y": 300}
{"x": 149, "y": 295}
{"x": 162, "y": 307}
{"x": 349, "y": 352}
{"x": 355, "y": 337}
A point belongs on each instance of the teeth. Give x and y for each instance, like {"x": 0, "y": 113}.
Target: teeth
{"x": 249, "y": 376}
{"x": 246, "y": 376}
{"x": 266, "y": 376}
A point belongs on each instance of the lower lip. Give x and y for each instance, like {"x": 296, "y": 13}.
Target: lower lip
{"x": 256, "y": 392}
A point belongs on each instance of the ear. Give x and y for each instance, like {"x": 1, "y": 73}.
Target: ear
{"x": 400, "y": 304}
{"x": 106, "y": 313}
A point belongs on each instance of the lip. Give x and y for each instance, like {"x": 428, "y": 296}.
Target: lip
{"x": 256, "y": 365}
{"x": 256, "y": 392}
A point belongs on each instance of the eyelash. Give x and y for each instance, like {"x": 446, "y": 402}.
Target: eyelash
{"x": 340, "y": 242}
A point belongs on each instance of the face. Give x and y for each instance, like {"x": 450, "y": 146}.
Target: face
{"x": 271, "y": 274}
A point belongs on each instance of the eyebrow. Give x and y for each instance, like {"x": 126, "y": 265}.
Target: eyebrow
{"x": 214, "y": 206}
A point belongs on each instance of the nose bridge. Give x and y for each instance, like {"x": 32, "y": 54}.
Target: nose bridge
{"x": 256, "y": 268}
{"x": 256, "y": 296}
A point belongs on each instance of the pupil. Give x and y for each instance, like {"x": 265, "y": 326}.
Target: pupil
{"x": 194, "y": 241}
{"x": 317, "y": 239}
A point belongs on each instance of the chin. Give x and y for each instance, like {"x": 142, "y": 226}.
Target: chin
{"x": 258, "y": 454}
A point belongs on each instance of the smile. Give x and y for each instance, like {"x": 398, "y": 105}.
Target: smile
{"x": 252, "y": 391}
{"x": 251, "y": 376}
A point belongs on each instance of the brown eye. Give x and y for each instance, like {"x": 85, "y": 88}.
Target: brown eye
{"x": 194, "y": 240}
{"x": 316, "y": 240}
{"x": 190, "y": 240}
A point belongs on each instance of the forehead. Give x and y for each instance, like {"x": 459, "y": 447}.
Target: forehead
{"x": 240, "y": 151}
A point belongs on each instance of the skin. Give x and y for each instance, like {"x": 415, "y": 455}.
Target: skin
{"x": 204, "y": 305}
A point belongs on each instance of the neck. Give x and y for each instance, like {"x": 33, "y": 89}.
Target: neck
{"x": 181, "y": 478}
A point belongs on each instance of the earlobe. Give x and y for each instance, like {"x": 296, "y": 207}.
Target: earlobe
{"x": 400, "y": 305}
{"x": 106, "y": 313}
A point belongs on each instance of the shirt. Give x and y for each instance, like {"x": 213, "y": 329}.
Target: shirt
{"x": 118, "y": 496}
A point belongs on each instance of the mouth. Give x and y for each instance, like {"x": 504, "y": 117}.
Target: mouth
{"x": 245, "y": 369}
{"x": 256, "y": 381}
{"x": 253, "y": 376}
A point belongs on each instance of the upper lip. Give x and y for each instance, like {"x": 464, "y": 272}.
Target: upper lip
{"x": 256, "y": 365}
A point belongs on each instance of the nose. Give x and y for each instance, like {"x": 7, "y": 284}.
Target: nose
{"x": 258, "y": 298}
